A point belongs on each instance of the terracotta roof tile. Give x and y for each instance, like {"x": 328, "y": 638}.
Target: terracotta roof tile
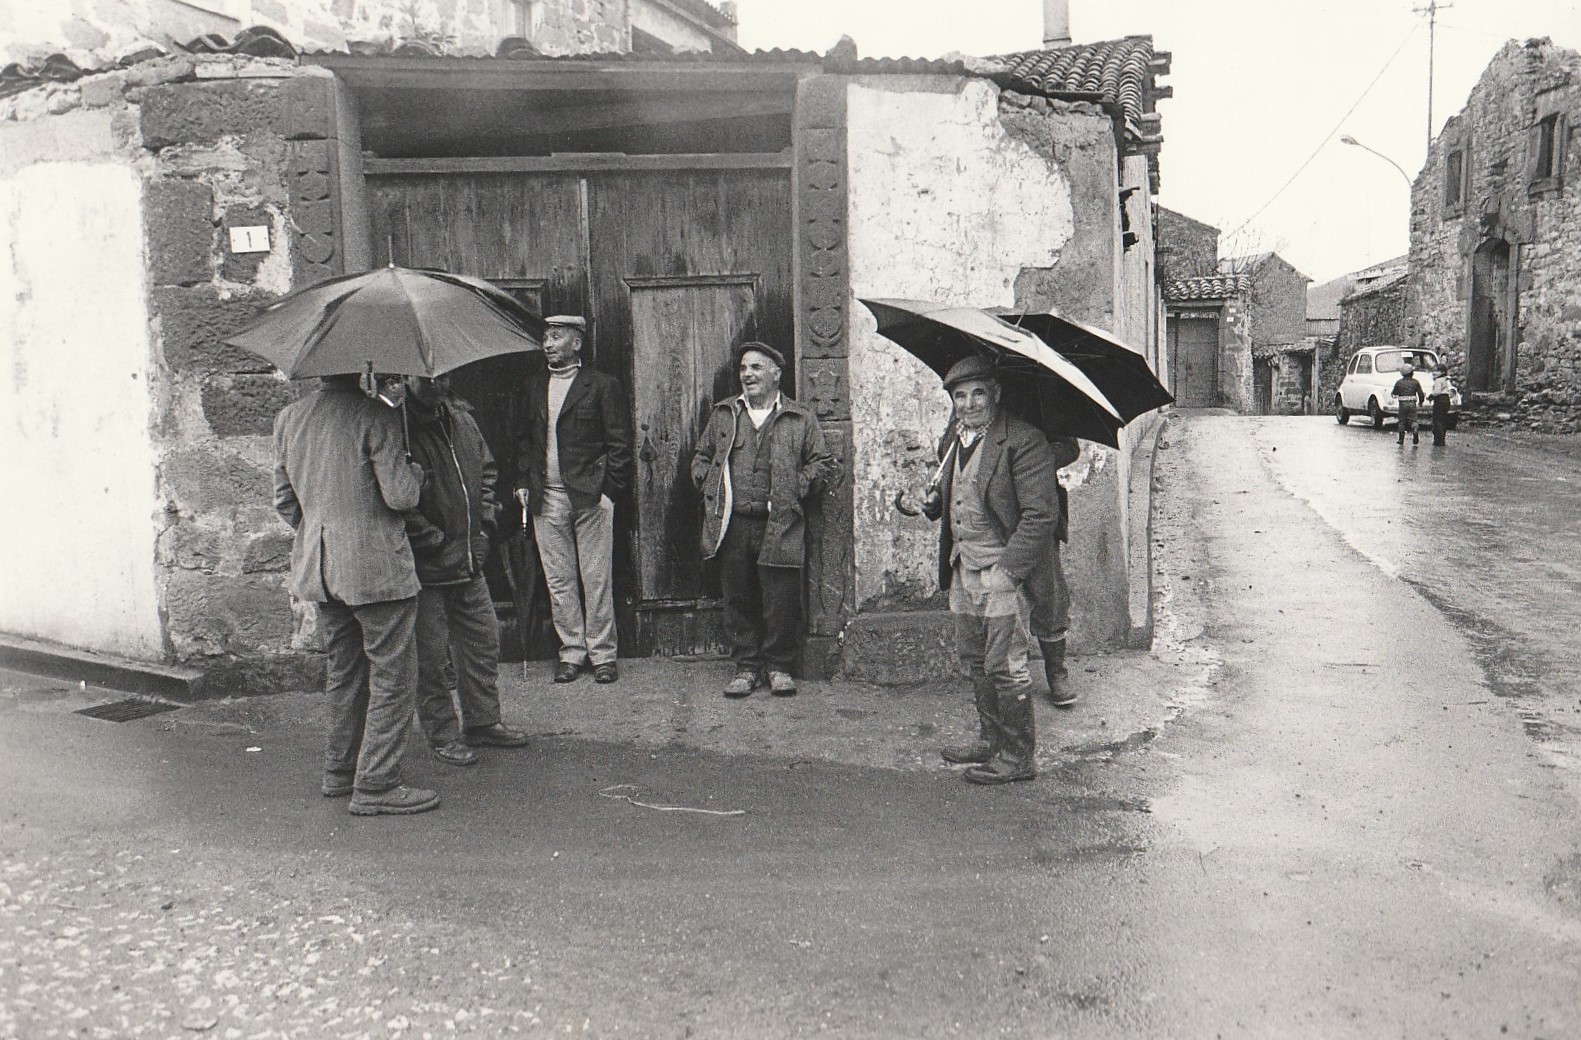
{"x": 1207, "y": 287}
{"x": 1120, "y": 71}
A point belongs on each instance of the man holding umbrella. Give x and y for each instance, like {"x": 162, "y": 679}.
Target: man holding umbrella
{"x": 342, "y": 480}
{"x": 996, "y": 497}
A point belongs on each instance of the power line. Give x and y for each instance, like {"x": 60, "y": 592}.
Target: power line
{"x": 1328, "y": 136}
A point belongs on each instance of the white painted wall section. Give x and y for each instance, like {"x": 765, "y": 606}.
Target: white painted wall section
{"x": 942, "y": 205}
{"x": 75, "y": 426}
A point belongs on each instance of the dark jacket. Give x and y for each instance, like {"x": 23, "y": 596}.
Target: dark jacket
{"x": 799, "y": 467}
{"x": 1066, "y": 451}
{"x": 454, "y": 519}
{"x": 594, "y": 434}
{"x": 1018, "y": 480}
{"x": 342, "y": 482}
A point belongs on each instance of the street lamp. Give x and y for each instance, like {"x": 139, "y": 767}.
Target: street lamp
{"x": 1348, "y": 139}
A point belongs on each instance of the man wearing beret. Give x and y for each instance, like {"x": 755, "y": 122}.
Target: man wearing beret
{"x": 760, "y": 459}
{"x": 575, "y": 460}
{"x": 997, "y": 500}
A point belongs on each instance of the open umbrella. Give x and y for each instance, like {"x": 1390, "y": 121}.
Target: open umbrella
{"x": 1057, "y": 396}
{"x": 395, "y": 319}
{"x": 1124, "y": 376}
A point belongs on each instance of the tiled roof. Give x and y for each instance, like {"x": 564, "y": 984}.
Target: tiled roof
{"x": 1121, "y": 71}
{"x": 1207, "y": 287}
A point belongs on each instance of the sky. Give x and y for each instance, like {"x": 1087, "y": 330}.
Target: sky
{"x": 1263, "y": 89}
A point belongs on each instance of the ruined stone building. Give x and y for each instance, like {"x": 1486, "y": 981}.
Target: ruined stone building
{"x": 1496, "y": 241}
{"x": 681, "y": 199}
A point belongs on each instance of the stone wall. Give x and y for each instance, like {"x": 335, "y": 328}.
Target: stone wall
{"x": 95, "y": 33}
{"x": 213, "y": 144}
{"x": 1278, "y": 303}
{"x": 1366, "y": 319}
{"x": 1186, "y": 248}
{"x": 1500, "y": 206}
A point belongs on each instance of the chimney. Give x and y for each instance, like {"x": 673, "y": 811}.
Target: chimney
{"x": 1056, "y": 24}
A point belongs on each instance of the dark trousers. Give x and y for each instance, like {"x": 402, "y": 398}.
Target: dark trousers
{"x": 1407, "y": 418}
{"x": 762, "y": 604}
{"x": 1440, "y": 417}
{"x": 457, "y": 623}
{"x": 368, "y": 689}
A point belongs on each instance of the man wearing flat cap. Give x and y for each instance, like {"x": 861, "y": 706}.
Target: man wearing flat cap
{"x": 574, "y": 458}
{"x": 760, "y": 459}
{"x": 996, "y": 497}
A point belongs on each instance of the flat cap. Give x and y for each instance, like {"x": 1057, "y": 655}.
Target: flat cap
{"x": 760, "y": 348}
{"x": 978, "y": 366}
{"x": 570, "y": 321}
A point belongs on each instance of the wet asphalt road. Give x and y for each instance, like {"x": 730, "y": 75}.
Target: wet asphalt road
{"x": 1356, "y": 819}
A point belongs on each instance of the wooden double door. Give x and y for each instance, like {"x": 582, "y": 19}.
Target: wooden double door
{"x": 672, "y": 269}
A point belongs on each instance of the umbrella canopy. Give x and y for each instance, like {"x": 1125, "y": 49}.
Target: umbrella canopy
{"x": 395, "y": 319}
{"x": 1059, "y": 398}
{"x": 1123, "y": 375}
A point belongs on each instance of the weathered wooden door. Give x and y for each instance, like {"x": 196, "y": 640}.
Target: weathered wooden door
{"x": 687, "y": 264}
{"x": 1196, "y": 365}
{"x": 673, "y": 268}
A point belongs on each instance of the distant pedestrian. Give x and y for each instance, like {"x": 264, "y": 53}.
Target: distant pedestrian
{"x": 575, "y": 461}
{"x": 999, "y": 510}
{"x": 1407, "y": 394}
{"x": 1441, "y": 393}
{"x": 760, "y": 459}
{"x": 342, "y": 481}
{"x": 450, "y": 531}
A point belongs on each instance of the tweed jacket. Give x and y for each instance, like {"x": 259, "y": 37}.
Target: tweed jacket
{"x": 342, "y": 481}
{"x": 799, "y": 466}
{"x": 1017, "y": 479}
{"x": 593, "y": 432}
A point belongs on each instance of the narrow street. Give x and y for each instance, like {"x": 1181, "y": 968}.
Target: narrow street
{"x": 1336, "y": 800}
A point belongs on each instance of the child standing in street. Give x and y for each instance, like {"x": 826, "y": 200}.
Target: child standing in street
{"x": 1407, "y": 394}
{"x": 1442, "y": 389}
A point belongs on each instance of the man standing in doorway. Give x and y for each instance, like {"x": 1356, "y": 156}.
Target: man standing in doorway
{"x": 996, "y": 497}
{"x": 342, "y": 481}
{"x": 575, "y": 461}
{"x": 760, "y": 459}
{"x": 450, "y": 532}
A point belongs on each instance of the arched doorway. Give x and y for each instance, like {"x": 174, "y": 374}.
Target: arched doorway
{"x": 1489, "y": 364}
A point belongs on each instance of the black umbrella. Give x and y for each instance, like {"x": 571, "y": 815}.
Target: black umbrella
{"x": 395, "y": 319}
{"x": 1124, "y": 376}
{"x": 1040, "y": 384}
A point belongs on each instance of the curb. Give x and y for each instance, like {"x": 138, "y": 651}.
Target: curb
{"x": 1139, "y": 531}
{"x": 119, "y": 673}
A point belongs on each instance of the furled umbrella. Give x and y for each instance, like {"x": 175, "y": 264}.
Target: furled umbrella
{"x": 1056, "y": 394}
{"x": 399, "y": 320}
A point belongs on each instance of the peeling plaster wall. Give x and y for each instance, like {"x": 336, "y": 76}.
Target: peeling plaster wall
{"x": 206, "y": 145}
{"x": 75, "y": 442}
{"x": 960, "y": 194}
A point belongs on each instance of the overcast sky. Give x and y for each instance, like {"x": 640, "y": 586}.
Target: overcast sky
{"x": 1260, "y": 86}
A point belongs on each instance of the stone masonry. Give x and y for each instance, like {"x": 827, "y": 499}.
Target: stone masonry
{"x": 1501, "y": 182}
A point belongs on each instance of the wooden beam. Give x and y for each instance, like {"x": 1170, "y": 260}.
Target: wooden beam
{"x": 640, "y": 112}
{"x": 579, "y": 162}
{"x": 565, "y": 74}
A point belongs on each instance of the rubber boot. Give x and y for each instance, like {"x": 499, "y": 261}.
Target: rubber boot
{"x": 1016, "y": 759}
{"x": 1060, "y": 694}
{"x": 989, "y": 736}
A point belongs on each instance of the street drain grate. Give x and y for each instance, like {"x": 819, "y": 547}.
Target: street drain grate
{"x": 127, "y": 710}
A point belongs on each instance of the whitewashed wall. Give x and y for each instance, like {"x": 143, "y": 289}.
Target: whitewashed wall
{"x": 76, "y": 448}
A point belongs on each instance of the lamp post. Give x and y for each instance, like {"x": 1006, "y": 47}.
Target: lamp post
{"x": 1348, "y": 139}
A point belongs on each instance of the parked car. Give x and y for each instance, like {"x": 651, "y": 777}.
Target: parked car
{"x": 1372, "y": 373}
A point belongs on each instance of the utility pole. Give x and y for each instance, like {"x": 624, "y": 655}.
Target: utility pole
{"x": 1431, "y": 10}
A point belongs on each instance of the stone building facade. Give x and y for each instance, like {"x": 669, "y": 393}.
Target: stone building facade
{"x": 1496, "y": 241}
{"x": 1377, "y": 314}
{"x": 179, "y": 193}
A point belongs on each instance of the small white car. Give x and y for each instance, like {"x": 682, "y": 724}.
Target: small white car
{"x": 1371, "y": 374}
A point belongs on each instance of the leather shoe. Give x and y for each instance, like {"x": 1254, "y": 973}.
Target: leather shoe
{"x": 455, "y": 753}
{"x": 742, "y": 685}
{"x": 781, "y": 684}
{"x": 398, "y": 801}
{"x": 1000, "y": 771}
{"x": 334, "y": 787}
{"x": 606, "y": 673}
{"x": 967, "y": 754}
{"x": 497, "y": 735}
{"x": 565, "y": 672}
